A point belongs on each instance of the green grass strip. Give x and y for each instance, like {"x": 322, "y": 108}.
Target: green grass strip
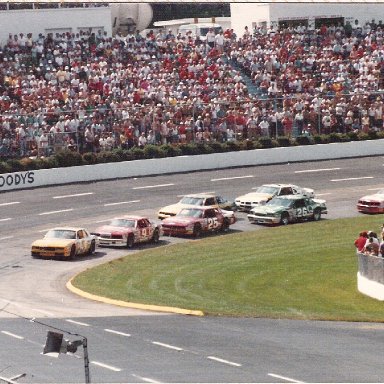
{"x": 301, "y": 271}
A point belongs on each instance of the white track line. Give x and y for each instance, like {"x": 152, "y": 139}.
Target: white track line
{"x": 154, "y": 186}
{"x": 318, "y": 170}
{"x": 197, "y": 193}
{"x": 322, "y": 194}
{"x": 146, "y": 379}
{"x": 77, "y": 322}
{"x": 285, "y": 378}
{"x": 167, "y": 346}
{"x": 121, "y": 202}
{"x": 354, "y": 178}
{"x": 224, "y": 361}
{"x": 6, "y": 237}
{"x": 75, "y": 195}
{"x": 53, "y": 212}
{"x": 7, "y": 219}
{"x": 233, "y": 178}
{"x": 12, "y": 203}
{"x": 374, "y": 189}
{"x": 117, "y": 332}
{"x": 110, "y": 367}
{"x": 13, "y": 335}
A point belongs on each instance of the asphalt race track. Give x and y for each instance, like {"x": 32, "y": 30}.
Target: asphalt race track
{"x": 132, "y": 346}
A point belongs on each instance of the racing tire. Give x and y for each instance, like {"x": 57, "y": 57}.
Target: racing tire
{"x": 92, "y": 248}
{"x": 130, "y": 241}
{"x": 73, "y": 252}
{"x": 197, "y": 230}
{"x": 155, "y": 237}
{"x": 284, "y": 219}
{"x": 316, "y": 215}
{"x": 225, "y": 226}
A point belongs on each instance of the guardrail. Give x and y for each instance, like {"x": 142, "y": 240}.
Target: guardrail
{"x": 370, "y": 277}
{"x": 180, "y": 164}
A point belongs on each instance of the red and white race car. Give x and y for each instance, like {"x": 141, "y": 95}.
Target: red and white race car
{"x": 372, "y": 203}
{"x": 195, "y": 221}
{"x": 126, "y": 231}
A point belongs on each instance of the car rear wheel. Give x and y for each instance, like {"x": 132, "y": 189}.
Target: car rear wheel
{"x": 197, "y": 230}
{"x": 130, "y": 241}
{"x": 155, "y": 237}
{"x": 284, "y": 219}
{"x": 317, "y": 215}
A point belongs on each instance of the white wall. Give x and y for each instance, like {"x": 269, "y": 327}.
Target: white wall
{"x": 38, "y": 21}
{"x": 138, "y": 168}
{"x": 370, "y": 288}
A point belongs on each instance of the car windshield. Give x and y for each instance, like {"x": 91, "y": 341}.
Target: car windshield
{"x": 60, "y": 234}
{"x": 267, "y": 189}
{"x": 192, "y": 200}
{"x": 277, "y": 201}
{"x": 122, "y": 223}
{"x": 380, "y": 192}
{"x": 191, "y": 213}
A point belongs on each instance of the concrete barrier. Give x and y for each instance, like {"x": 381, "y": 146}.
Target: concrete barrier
{"x": 138, "y": 168}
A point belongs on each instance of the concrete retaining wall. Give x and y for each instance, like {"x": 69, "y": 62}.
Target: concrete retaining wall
{"x": 370, "y": 288}
{"x": 138, "y": 168}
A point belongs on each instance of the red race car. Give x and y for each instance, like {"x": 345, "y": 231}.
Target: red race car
{"x": 195, "y": 221}
{"x": 128, "y": 230}
{"x": 372, "y": 203}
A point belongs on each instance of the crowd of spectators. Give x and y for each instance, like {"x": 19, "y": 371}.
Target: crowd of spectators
{"x": 91, "y": 92}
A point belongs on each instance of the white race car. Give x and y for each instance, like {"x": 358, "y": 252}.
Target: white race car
{"x": 265, "y": 193}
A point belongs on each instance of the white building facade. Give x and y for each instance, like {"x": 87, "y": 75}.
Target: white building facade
{"x": 308, "y": 14}
{"x": 108, "y": 18}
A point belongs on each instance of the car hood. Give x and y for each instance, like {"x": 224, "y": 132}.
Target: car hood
{"x": 112, "y": 229}
{"x": 179, "y": 220}
{"x": 374, "y": 197}
{"x": 265, "y": 209}
{"x": 53, "y": 242}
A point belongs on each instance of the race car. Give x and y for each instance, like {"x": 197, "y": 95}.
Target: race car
{"x": 196, "y": 200}
{"x": 372, "y": 203}
{"x": 64, "y": 242}
{"x": 288, "y": 209}
{"x": 197, "y": 220}
{"x": 126, "y": 231}
{"x": 265, "y": 193}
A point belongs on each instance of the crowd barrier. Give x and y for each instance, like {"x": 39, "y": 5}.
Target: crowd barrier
{"x": 180, "y": 164}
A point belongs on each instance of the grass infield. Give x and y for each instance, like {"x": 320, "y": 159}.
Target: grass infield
{"x": 300, "y": 271}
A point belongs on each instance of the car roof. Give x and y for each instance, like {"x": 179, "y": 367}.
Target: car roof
{"x": 201, "y": 208}
{"x": 201, "y": 195}
{"x": 278, "y": 185}
{"x": 291, "y": 197}
{"x": 129, "y": 217}
{"x": 66, "y": 229}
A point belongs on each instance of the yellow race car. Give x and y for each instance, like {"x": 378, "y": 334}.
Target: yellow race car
{"x": 64, "y": 242}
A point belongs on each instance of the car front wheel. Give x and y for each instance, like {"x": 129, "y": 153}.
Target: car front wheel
{"x": 155, "y": 237}
{"x": 284, "y": 219}
{"x": 317, "y": 215}
{"x": 92, "y": 248}
{"x": 225, "y": 225}
{"x": 73, "y": 252}
{"x": 197, "y": 230}
{"x": 130, "y": 241}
